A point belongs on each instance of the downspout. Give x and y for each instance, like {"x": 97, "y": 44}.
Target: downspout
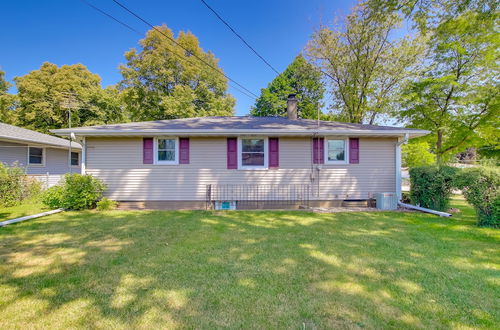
{"x": 400, "y": 142}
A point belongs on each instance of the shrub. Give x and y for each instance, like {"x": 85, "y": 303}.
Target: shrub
{"x": 481, "y": 188}
{"x": 16, "y": 186}
{"x": 75, "y": 192}
{"x": 53, "y": 197}
{"x": 417, "y": 154}
{"x": 431, "y": 186}
{"x": 106, "y": 204}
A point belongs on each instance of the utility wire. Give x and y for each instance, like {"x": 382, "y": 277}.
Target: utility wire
{"x": 141, "y": 34}
{"x": 246, "y": 43}
{"x": 239, "y": 36}
{"x": 187, "y": 50}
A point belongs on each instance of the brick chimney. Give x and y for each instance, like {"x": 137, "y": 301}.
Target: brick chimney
{"x": 291, "y": 107}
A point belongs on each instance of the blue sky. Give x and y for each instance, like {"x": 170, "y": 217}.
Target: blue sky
{"x": 69, "y": 32}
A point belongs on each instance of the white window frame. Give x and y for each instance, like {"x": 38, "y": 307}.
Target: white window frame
{"x": 240, "y": 153}
{"x": 155, "y": 150}
{"x": 346, "y": 152}
{"x": 79, "y": 159}
{"x": 43, "y": 157}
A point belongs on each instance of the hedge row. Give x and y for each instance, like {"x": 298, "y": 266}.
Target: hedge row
{"x": 432, "y": 186}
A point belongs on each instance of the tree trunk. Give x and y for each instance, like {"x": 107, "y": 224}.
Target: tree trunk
{"x": 439, "y": 145}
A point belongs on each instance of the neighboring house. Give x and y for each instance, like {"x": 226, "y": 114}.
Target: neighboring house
{"x": 185, "y": 163}
{"x": 42, "y": 156}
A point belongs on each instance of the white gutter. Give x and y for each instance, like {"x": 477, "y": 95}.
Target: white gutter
{"x": 226, "y": 132}
{"x": 423, "y": 209}
{"x": 398, "y": 165}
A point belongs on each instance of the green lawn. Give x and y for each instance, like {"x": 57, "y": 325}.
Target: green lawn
{"x": 296, "y": 270}
{"x": 27, "y": 208}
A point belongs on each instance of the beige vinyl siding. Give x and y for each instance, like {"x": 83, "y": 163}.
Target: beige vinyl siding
{"x": 56, "y": 160}
{"x": 118, "y": 162}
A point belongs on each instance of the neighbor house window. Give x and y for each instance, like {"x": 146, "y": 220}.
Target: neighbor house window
{"x": 35, "y": 156}
{"x": 336, "y": 152}
{"x": 253, "y": 153}
{"x": 75, "y": 159}
{"x": 167, "y": 150}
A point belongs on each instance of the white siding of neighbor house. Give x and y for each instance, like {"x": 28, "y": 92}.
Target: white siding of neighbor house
{"x": 56, "y": 161}
{"x": 118, "y": 162}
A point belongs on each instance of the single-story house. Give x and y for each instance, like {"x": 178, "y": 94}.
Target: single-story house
{"x": 42, "y": 156}
{"x": 189, "y": 163}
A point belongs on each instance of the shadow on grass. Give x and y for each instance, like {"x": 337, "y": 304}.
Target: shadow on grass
{"x": 248, "y": 269}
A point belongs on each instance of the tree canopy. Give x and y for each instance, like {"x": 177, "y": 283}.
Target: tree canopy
{"x": 366, "y": 66}
{"x": 456, "y": 96}
{"x": 43, "y": 96}
{"x": 164, "y": 81}
{"x": 6, "y": 100}
{"x": 300, "y": 78}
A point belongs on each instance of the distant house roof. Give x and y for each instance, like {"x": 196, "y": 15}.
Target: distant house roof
{"x": 19, "y": 134}
{"x": 237, "y": 126}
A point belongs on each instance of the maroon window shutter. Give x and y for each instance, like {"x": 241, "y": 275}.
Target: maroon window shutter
{"x": 354, "y": 151}
{"x": 318, "y": 150}
{"x": 184, "y": 151}
{"x": 147, "y": 151}
{"x": 232, "y": 153}
{"x": 274, "y": 152}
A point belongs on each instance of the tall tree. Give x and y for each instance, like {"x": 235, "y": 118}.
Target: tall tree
{"x": 428, "y": 14}
{"x": 365, "y": 65}
{"x": 6, "y": 101}
{"x": 300, "y": 78}
{"x": 164, "y": 81}
{"x": 457, "y": 94}
{"x": 46, "y": 95}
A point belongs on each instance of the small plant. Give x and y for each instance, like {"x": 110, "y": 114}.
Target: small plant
{"x": 481, "y": 188}
{"x": 75, "y": 192}
{"x": 431, "y": 186}
{"x": 106, "y": 204}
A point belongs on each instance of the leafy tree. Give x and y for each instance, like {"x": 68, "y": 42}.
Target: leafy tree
{"x": 366, "y": 67}
{"x": 164, "y": 81}
{"x": 44, "y": 96}
{"x": 6, "y": 101}
{"x": 299, "y": 78}
{"x": 428, "y": 14}
{"x": 456, "y": 96}
{"x": 417, "y": 154}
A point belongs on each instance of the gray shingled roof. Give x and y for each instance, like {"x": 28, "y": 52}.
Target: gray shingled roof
{"x": 246, "y": 123}
{"x": 14, "y": 133}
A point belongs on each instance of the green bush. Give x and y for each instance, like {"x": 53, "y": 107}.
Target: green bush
{"x": 481, "y": 188}
{"x": 53, "y": 197}
{"x": 75, "y": 192}
{"x": 431, "y": 186}
{"x": 16, "y": 186}
{"x": 417, "y": 154}
{"x": 106, "y": 204}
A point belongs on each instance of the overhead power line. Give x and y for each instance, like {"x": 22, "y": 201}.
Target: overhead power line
{"x": 239, "y": 36}
{"x": 247, "y": 44}
{"x": 187, "y": 50}
{"x": 141, "y": 34}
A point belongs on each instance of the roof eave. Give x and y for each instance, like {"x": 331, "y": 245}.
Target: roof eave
{"x": 225, "y": 132}
{"x": 74, "y": 145}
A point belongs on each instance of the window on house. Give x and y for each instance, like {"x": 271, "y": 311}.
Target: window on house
{"x": 166, "y": 151}
{"x": 336, "y": 151}
{"x": 35, "y": 156}
{"x": 253, "y": 152}
{"x": 75, "y": 159}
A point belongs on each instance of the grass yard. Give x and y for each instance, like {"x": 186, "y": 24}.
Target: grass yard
{"x": 27, "y": 208}
{"x": 153, "y": 269}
